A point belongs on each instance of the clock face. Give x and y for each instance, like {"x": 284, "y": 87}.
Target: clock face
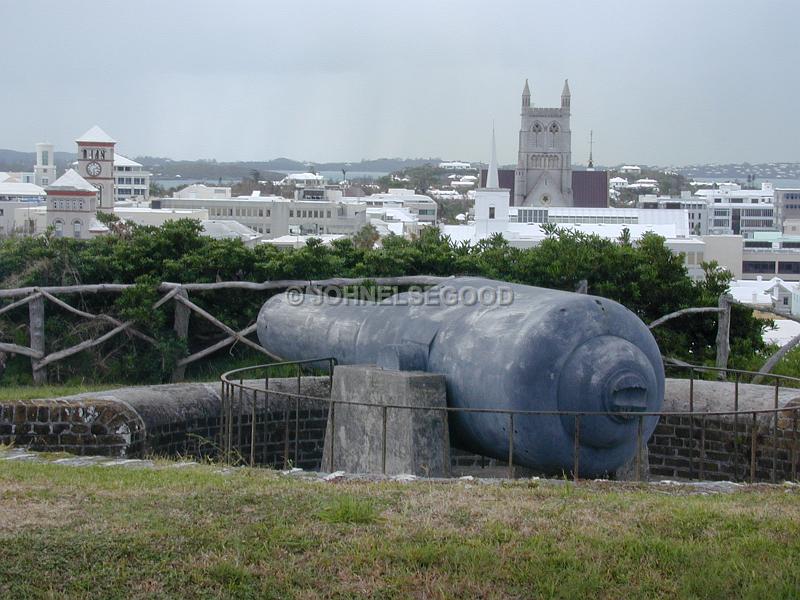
{"x": 93, "y": 169}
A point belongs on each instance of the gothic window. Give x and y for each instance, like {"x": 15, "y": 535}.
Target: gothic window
{"x": 536, "y": 129}
{"x": 554, "y": 129}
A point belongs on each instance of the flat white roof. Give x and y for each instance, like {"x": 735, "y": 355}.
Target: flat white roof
{"x": 20, "y": 189}
{"x": 228, "y": 229}
{"x": 134, "y": 210}
{"x": 783, "y": 332}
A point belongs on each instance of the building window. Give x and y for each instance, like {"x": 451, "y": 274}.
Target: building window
{"x": 491, "y": 212}
{"x": 59, "y": 226}
{"x": 76, "y": 230}
{"x": 789, "y": 267}
{"x": 758, "y": 266}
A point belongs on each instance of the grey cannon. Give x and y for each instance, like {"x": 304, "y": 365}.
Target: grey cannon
{"x": 500, "y": 346}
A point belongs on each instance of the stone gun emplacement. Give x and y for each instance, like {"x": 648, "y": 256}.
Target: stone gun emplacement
{"x": 534, "y": 349}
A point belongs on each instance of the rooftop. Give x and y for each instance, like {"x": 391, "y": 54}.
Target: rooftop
{"x": 124, "y": 161}
{"x": 20, "y": 189}
{"x": 71, "y": 181}
{"x": 95, "y": 134}
{"x": 228, "y": 230}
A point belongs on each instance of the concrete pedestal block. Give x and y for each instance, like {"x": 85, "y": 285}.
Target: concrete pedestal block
{"x": 380, "y": 438}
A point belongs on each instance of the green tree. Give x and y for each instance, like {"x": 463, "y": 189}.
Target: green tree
{"x": 366, "y": 237}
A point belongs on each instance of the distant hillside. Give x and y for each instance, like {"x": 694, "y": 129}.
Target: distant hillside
{"x": 11, "y": 160}
{"x": 210, "y": 169}
{"x": 167, "y": 168}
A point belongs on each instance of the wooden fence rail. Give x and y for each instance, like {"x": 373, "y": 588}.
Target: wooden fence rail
{"x": 35, "y": 298}
{"x": 178, "y": 293}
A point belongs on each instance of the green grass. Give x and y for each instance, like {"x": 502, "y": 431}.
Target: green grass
{"x": 349, "y": 509}
{"x": 107, "y": 532}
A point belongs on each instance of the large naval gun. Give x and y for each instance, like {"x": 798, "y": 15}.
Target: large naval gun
{"x": 499, "y": 346}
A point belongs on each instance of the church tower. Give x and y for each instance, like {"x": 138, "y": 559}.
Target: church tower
{"x": 96, "y": 165}
{"x": 491, "y": 202}
{"x": 544, "y": 167}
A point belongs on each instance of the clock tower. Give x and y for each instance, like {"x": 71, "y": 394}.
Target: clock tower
{"x": 96, "y": 165}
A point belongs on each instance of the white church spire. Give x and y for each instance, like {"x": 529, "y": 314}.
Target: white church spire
{"x": 492, "y": 178}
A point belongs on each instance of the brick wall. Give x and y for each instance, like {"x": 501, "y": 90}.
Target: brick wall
{"x": 80, "y": 427}
{"x": 173, "y": 420}
{"x": 720, "y": 448}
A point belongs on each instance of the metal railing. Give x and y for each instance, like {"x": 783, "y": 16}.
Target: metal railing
{"x": 236, "y": 389}
{"x": 230, "y": 414}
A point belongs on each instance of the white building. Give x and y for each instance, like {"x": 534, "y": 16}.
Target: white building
{"x": 131, "y": 180}
{"x": 419, "y": 205}
{"x": 454, "y": 165}
{"x": 72, "y": 207}
{"x": 617, "y": 183}
{"x": 142, "y": 214}
{"x": 389, "y": 220}
{"x": 16, "y": 201}
{"x": 17, "y": 177}
{"x": 773, "y": 293}
{"x": 303, "y": 179}
{"x": 631, "y": 170}
{"x": 312, "y": 212}
{"x": 729, "y": 210}
{"x": 44, "y": 172}
{"x": 203, "y": 192}
{"x": 787, "y": 209}
{"x": 696, "y": 208}
{"x": 21, "y": 192}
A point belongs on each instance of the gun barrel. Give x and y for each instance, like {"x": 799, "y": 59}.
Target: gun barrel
{"x": 500, "y": 346}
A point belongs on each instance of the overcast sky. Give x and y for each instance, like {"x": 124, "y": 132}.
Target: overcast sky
{"x": 667, "y": 82}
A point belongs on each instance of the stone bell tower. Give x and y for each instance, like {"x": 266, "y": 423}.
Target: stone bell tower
{"x": 544, "y": 167}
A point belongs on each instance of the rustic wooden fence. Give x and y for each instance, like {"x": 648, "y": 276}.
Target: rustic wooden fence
{"x": 35, "y": 298}
{"x": 178, "y": 293}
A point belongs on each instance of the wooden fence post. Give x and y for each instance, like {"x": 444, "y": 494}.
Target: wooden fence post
{"x": 36, "y": 316}
{"x": 181, "y": 327}
{"x": 723, "y": 334}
